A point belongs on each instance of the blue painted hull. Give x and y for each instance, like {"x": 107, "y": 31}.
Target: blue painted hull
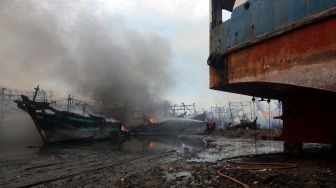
{"x": 283, "y": 50}
{"x": 261, "y": 18}
{"x": 59, "y": 126}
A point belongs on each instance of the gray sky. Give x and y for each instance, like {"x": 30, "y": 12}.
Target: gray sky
{"x": 110, "y": 51}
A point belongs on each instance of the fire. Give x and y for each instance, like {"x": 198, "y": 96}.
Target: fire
{"x": 273, "y": 114}
{"x": 122, "y": 127}
{"x": 264, "y": 114}
{"x": 151, "y": 120}
{"x": 151, "y": 144}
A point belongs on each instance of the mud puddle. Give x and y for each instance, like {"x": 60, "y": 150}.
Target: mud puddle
{"x": 154, "y": 144}
{"x": 144, "y": 144}
{"x": 223, "y": 148}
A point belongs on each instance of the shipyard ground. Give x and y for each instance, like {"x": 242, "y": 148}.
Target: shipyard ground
{"x": 79, "y": 167}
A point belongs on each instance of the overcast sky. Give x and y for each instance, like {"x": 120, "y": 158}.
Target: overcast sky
{"x": 95, "y": 48}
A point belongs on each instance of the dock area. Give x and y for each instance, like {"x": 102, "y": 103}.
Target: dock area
{"x": 77, "y": 165}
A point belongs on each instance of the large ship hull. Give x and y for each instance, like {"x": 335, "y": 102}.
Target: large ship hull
{"x": 283, "y": 50}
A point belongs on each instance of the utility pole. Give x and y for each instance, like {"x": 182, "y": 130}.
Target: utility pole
{"x": 253, "y": 100}
{"x": 194, "y": 109}
{"x": 44, "y": 95}
{"x": 218, "y": 110}
{"x": 211, "y": 114}
{"x": 231, "y": 112}
{"x": 68, "y": 103}
{"x": 219, "y": 116}
{"x": 269, "y": 116}
{"x": 251, "y": 111}
{"x": 2, "y": 103}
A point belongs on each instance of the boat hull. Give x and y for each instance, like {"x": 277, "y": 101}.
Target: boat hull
{"x": 304, "y": 57}
{"x": 57, "y": 128}
{"x": 282, "y": 50}
{"x": 60, "y": 126}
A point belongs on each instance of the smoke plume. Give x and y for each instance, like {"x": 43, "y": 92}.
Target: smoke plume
{"x": 63, "y": 45}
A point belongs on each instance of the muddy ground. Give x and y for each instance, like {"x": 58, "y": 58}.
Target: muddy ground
{"x": 75, "y": 166}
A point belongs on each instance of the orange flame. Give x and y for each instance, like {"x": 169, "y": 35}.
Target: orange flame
{"x": 151, "y": 144}
{"x": 122, "y": 127}
{"x": 151, "y": 120}
{"x": 264, "y": 114}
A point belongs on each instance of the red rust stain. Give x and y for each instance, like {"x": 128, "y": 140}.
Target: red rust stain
{"x": 313, "y": 44}
{"x": 303, "y": 123}
{"x": 212, "y": 77}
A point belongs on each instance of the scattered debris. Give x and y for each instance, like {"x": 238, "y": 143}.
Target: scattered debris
{"x": 71, "y": 167}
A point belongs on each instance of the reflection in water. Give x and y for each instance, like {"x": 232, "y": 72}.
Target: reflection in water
{"x": 142, "y": 144}
{"x": 153, "y": 144}
{"x": 20, "y": 137}
{"x": 90, "y": 146}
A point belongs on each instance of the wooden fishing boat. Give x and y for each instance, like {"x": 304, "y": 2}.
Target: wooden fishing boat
{"x": 57, "y": 126}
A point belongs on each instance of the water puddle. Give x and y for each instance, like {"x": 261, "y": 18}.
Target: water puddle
{"x": 145, "y": 144}
{"x": 153, "y": 144}
{"x": 228, "y": 148}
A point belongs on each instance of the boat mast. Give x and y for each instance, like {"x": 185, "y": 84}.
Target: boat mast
{"x": 68, "y": 103}
{"x": 36, "y": 90}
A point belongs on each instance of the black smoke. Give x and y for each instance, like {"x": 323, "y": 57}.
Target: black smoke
{"x": 55, "y": 43}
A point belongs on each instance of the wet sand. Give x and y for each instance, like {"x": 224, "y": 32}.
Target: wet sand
{"x": 78, "y": 166}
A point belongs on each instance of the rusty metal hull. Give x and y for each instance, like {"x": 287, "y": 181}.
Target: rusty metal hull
{"x": 294, "y": 63}
{"x": 304, "y": 57}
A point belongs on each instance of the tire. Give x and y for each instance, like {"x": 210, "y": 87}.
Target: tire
{"x": 212, "y": 59}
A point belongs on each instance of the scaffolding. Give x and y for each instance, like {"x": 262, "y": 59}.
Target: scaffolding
{"x": 183, "y": 107}
{"x": 8, "y": 95}
{"x": 240, "y": 110}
